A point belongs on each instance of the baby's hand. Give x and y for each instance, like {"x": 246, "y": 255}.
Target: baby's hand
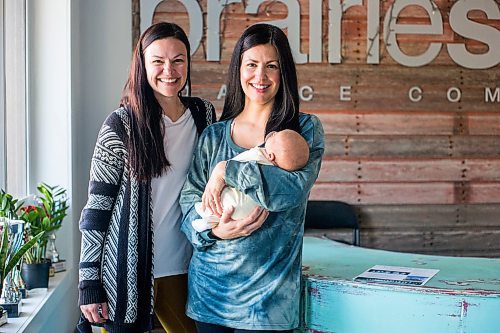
{"x": 212, "y": 196}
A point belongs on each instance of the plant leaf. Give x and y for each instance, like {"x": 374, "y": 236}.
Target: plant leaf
{"x": 19, "y": 254}
{"x": 3, "y": 250}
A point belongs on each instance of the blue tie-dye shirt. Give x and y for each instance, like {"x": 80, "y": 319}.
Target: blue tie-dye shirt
{"x": 250, "y": 282}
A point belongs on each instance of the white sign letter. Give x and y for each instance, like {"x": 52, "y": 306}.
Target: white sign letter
{"x": 195, "y": 23}
{"x": 392, "y": 28}
{"x": 345, "y": 93}
{"x": 222, "y": 92}
{"x": 335, "y": 11}
{"x": 291, "y": 22}
{"x": 147, "y": 8}
{"x": 415, "y": 94}
{"x": 489, "y": 96}
{"x": 306, "y": 93}
{"x": 373, "y": 33}
{"x": 315, "y": 30}
{"x": 214, "y": 8}
{"x": 489, "y": 35}
{"x": 456, "y": 92}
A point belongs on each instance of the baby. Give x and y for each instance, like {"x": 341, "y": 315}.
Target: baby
{"x": 285, "y": 149}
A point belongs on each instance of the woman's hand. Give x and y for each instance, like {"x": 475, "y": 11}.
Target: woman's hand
{"x": 212, "y": 195}
{"x": 95, "y": 313}
{"x": 229, "y": 229}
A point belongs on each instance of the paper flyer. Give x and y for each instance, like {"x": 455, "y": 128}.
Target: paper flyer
{"x": 397, "y": 275}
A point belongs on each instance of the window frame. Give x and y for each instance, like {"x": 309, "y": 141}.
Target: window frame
{"x": 3, "y": 173}
{"x": 14, "y": 143}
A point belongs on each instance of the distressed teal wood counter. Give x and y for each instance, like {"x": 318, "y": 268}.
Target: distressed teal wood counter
{"x": 463, "y": 297}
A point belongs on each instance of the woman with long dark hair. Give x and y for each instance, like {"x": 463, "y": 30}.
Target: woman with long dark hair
{"x": 134, "y": 257}
{"x": 246, "y": 276}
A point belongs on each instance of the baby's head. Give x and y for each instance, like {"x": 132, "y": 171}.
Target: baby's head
{"x": 287, "y": 149}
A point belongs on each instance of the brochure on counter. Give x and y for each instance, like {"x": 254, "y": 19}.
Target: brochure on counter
{"x": 407, "y": 276}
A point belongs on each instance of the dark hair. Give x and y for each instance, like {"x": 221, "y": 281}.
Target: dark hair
{"x": 285, "y": 112}
{"x": 146, "y": 150}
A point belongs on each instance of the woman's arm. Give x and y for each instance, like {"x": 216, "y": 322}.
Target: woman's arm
{"x": 192, "y": 192}
{"x": 271, "y": 187}
{"x": 276, "y": 189}
{"x": 105, "y": 174}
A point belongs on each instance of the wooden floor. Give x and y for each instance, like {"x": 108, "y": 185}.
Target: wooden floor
{"x": 157, "y": 327}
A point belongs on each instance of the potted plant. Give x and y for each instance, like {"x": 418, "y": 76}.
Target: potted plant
{"x": 44, "y": 216}
{"x": 8, "y": 217}
{"x": 10, "y": 256}
{"x": 12, "y": 249}
{"x": 8, "y": 250}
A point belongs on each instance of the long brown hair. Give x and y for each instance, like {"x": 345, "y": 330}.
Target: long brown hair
{"x": 145, "y": 147}
{"x": 285, "y": 112}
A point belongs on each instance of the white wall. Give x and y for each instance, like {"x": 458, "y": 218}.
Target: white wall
{"x": 49, "y": 96}
{"x": 78, "y": 58}
{"x": 101, "y": 55}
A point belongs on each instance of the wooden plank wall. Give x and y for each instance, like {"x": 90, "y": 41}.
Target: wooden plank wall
{"x": 424, "y": 177}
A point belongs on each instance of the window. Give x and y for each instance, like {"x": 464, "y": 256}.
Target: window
{"x": 13, "y": 143}
{"x": 2, "y": 101}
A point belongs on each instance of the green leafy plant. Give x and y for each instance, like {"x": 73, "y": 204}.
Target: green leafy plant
{"x": 44, "y": 217}
{"x": 55, "y": 204}
{"x": 8, "y": 205}
{"x": 9, "y": 260}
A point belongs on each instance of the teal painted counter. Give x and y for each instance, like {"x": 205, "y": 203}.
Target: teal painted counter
{"x": 463, "y": 297}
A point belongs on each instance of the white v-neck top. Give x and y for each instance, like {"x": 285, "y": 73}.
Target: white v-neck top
{"x": 172, "y": 251}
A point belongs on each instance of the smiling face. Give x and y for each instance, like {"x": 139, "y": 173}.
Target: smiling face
{"x": 260, "y": 74}
{"x": 166, "y": 66}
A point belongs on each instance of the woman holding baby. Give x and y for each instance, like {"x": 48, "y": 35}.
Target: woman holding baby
{"x": 244, "y": 275}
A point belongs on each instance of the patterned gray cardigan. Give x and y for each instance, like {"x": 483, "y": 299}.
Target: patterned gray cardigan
{"x": 116, "y": 226}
